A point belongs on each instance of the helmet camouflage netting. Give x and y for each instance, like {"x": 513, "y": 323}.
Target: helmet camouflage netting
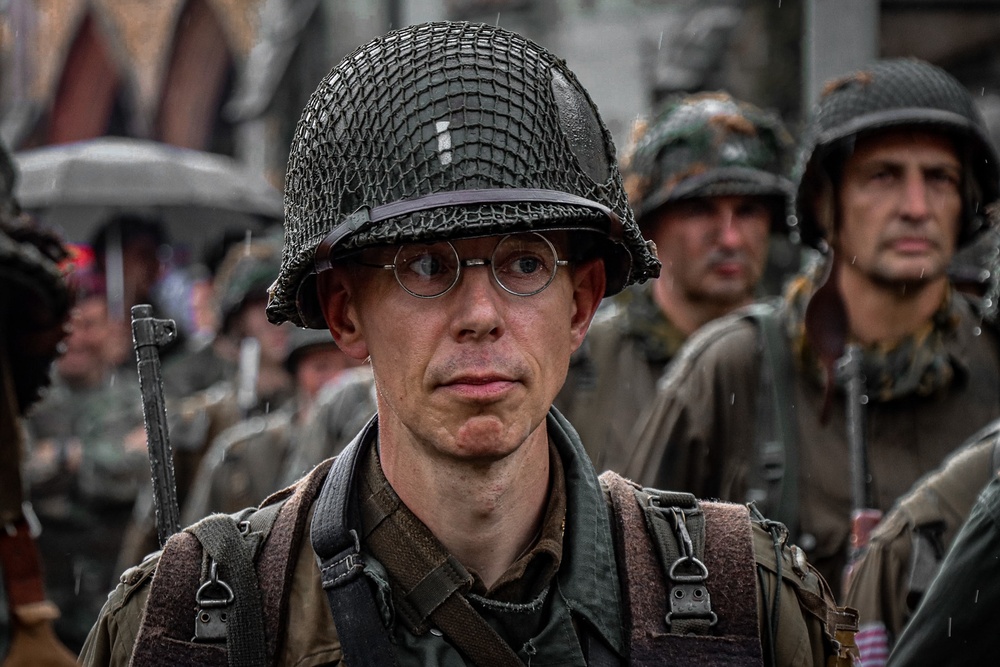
{"x": 705, "y": 145}
{"x": 448, "y": 130}
{"x": 893, "y": 93}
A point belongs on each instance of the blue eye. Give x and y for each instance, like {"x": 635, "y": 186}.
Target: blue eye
{"x": 426, "y": 265}
{"x": 526, "y": 265}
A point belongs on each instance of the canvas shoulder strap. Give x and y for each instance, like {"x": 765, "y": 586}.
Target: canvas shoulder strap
{"x": 335, "y": 539}
{"x": 774, "y": 477}
{"x": 688, "y": 577}
{"x": 269, "y": 537}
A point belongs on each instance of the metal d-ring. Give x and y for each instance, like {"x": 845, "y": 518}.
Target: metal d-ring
{"x": 213, "y": 580}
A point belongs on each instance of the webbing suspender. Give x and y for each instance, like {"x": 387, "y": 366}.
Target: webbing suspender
{"x": 363, "y": 637}
{"x": 775, "y": 438}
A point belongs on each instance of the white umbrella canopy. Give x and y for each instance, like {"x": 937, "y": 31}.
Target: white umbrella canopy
{"x": 77, "y": 186}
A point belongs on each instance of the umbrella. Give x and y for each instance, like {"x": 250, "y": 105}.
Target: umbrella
{"x": 77, "y": 186}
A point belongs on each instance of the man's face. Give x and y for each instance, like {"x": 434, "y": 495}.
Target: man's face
{"x": 713, "y": 249}
{"x": 468, "y": 375}
{"x": 85, "y": 359}
{"x": 899, "y": 207}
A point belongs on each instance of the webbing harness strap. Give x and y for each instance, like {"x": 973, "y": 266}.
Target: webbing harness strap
{"x": 775, "y": 481}
{"x": 363, "y": 637}
{"x": 231, "y": 593}
{"x": 649, "y": 593}
{"x": 677, "y": 526}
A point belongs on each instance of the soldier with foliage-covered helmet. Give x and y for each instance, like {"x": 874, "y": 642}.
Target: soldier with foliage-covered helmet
{"x": 706, "y": 178}
{"x": 454, "y": 214}
{"x": 894, "y": 172}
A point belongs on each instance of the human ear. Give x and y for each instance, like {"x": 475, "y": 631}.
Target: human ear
{"x": 339, "y": 306}
{"x": 588, "y": 289}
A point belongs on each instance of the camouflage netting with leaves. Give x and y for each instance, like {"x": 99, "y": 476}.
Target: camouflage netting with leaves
{"x": 705, "y": 145}
{"x": 445, "y": 107}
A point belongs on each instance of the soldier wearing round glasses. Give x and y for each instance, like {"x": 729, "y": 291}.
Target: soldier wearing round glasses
{"x": 463, "y": 252}
{"x": 522, "y": 264}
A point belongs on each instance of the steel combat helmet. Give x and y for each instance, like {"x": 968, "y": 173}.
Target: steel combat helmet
{"x": 245, "y": 274}
{"x": 707, "y": 145}
{"x": 442, "y": 131}
{"x": 887, "y": 94}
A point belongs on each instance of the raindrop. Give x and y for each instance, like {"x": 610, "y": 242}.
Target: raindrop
{"x": 498, "y": 18}
{"x": 864, "y": 399}
{"x": 111, "y": 380}
{"x": 779, "y": 4}
{"x": 267, "y": 408}
{"x": 976, "y": 331}
{"x": 949, "y": 627}
{"x": 921, "y": 273}
{"x": 976, "y": 601}
{"x": 659, "y": 44}
{"x": 854, "y": 259}
{"x": 732, "y": 399}
{"x": 246, "y": 242}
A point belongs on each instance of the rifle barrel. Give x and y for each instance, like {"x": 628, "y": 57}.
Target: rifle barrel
{"x": 148, "y": 336}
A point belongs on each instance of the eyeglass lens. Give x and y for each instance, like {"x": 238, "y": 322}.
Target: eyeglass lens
{"x": 523, "y": 264}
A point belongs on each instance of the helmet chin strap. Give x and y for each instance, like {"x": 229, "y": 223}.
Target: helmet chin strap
{"x": 364, "y": 215}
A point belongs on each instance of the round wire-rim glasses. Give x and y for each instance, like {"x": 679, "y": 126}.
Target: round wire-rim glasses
{"x": 522, "y": 264}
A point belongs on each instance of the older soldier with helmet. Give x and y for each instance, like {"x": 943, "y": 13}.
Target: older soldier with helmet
{"x": 895, "y": 172}
{"x": 454, "y": 212}
{"x": 706, "y": 181}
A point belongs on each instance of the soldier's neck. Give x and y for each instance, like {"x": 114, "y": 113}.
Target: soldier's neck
{"x": 879, "y": 313}
{"x": 486, "y": 515}
{"x": 686, "y": 313}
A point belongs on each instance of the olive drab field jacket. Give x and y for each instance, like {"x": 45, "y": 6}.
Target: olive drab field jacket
{"x": 952, "y": 625}
{"x": 704, "y": 433}
{"x": 588, "y": 601}
{"x": 612, "y": 378}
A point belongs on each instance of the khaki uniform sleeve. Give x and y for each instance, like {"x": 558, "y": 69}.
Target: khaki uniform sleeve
{"x": 880, "y": 584}
{"x": 112, "y": 638}
{"x": 877, "y": 587}
{"x": 811, "y": 629}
